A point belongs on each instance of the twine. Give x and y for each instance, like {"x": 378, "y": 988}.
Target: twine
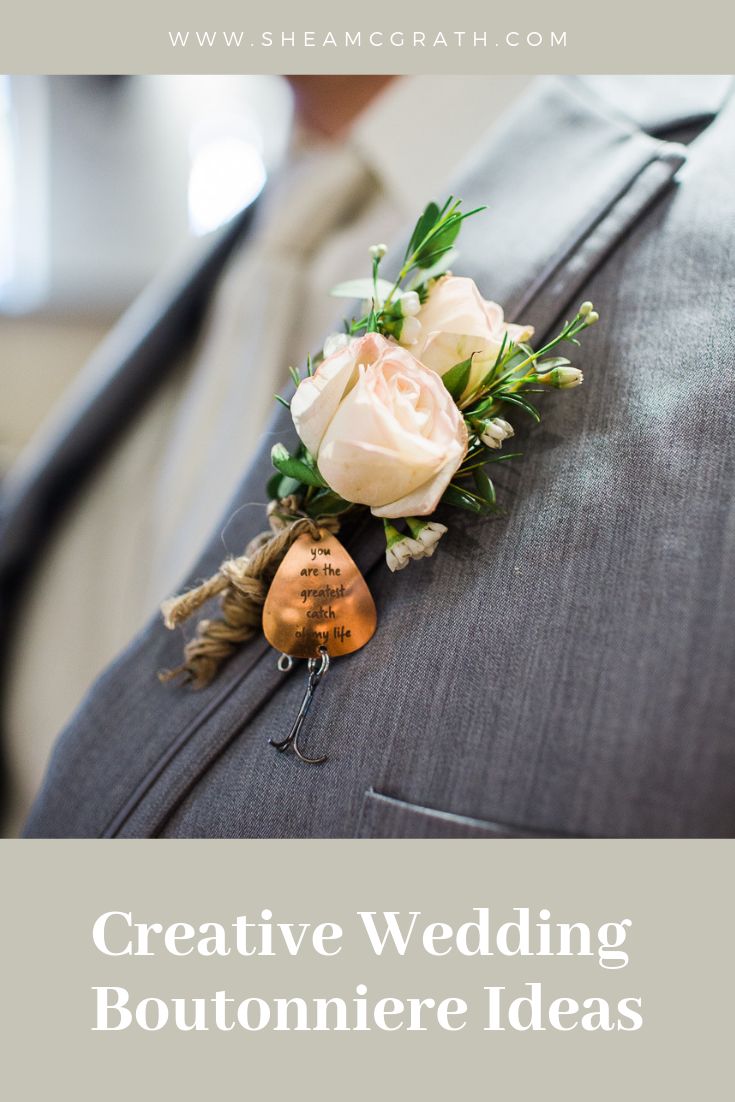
{"x": 241, "y": 584}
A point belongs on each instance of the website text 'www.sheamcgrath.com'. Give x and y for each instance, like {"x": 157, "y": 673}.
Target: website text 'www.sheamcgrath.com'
{"x": 375, "y": 39}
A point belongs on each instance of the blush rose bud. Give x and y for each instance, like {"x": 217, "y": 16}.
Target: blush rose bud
{"x": 494, "y": 432}
{"x": 457, "y": 322}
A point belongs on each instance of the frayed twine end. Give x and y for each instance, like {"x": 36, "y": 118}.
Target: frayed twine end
{"x": 241, "y": 584}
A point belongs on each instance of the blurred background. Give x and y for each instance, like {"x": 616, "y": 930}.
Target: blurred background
{"x": 102, "y": 182}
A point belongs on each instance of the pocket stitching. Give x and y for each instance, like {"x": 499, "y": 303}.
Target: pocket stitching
{"x": 374, "y": 799}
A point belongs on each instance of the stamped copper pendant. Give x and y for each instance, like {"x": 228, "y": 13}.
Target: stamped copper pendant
{"x": 318, "y": 607}
{"x": 318, "y": 601}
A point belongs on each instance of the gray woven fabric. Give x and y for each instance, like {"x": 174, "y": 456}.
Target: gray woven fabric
{"x": 562, "y": 670}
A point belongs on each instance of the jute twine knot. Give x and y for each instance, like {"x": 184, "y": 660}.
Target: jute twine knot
{"x": 241, "y": 584}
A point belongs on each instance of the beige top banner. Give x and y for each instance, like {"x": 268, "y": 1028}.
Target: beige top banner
{"x": 286, "y": 36}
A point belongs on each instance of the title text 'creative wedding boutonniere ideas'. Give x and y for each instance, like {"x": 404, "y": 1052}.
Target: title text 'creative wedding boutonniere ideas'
{"x": 404, "y": 411}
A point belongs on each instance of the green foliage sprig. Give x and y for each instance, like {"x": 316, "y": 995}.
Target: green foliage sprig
{"x": 518, "y": 371}
{"x": 429, "y": 253}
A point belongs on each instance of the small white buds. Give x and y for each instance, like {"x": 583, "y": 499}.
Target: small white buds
{"x": 495, "y": 432}
{"x": 562, "y": 377}
{"x": 421, "y": 544}
{"x": 588, "y": 312}
{"x": 427, "y": 535}
{"x": 409, "y": 304}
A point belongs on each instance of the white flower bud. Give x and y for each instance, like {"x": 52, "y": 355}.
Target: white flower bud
{"x": 399, "y": 554}
{"x": 586, "y": 308}
{"x": 410, "y": 331}
{"x": 429, "y": 536}
{"x": 377, "y": 252}
{"x": 426, "y": 534}
{"x": 592, "y": 317}
{"x": 496, "y": 431}
{"x": 566, "y": 377}
{"x": 409, "y": 304}
{"x": 335, "y": 342}
{"x": 421, "y": 544}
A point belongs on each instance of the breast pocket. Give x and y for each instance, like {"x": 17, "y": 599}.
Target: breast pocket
{"x": 384, "y": 816}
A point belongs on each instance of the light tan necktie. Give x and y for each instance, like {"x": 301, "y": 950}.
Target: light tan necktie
{"x": 242, "y": 358}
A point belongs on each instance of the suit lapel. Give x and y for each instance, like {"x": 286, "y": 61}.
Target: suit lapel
{"x": 564, "y": 184}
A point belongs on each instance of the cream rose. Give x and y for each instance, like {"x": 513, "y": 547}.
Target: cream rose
{"x": 383, "y": 428}
{"x": 457, "y": 321}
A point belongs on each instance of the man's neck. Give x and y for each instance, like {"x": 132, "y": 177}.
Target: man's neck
{"x": 330, "y": 104}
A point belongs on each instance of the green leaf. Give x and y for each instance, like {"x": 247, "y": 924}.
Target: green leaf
{"x": 447, "y": 205}
{"x": 506, "y": 354}
{"x": 423, "y": 275}
{"x": 523, "y": 403}
{"x": 503, "y": 457}
{"x": 484, "y": 485}
{"x": 501, "y": 350}
{"x": 439, "y": 243}
{"x": 362, "y": 289}
{"x": 282, "y": 400}
{"x": 456, "y": 379}
{"x": 476, "y": 411}
{"x": 517, "y": 355}
{"x": 271, "y": 486}
{"x": 327, "y": 503}
{"x": 295, "y": 468}
{"x": 425, "y": 224}
{"x": 476, "y": 449}
{"x": 542, "y": 366}
{"x": 439, "y": 240}
{"x": 280, "y": 485}
{"x": 462, "y": 499}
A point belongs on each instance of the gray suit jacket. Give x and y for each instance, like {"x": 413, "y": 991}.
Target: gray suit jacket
{"x": 563, "y": 670}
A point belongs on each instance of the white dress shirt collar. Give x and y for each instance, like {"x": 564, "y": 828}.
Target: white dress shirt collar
{"x": 453, "y": 115}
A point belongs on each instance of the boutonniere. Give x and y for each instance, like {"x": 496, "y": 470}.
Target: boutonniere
{"x": 406, "y": 410}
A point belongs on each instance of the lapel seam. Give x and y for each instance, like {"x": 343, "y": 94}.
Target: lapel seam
{"x": 117, "y": 821}
{"x": 667, "y": 153}
{"x": 180, "y": 790}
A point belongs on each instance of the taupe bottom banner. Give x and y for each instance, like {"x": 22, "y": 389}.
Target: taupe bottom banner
{"x": 330, "y": 970}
